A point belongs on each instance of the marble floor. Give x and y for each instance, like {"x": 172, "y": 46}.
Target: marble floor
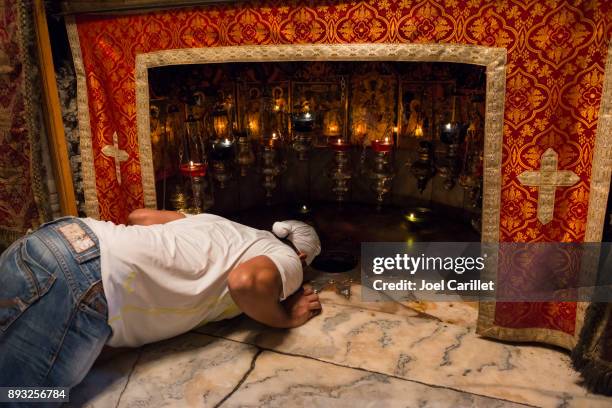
{"x": 354, "y": 354}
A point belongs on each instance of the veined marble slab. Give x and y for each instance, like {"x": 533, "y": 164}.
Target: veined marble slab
{"x": 427, "y": 351}
{"x": 329, "y": 296}
{"x": 188, "y": 371}
{"x": 105, "y": 382}
{"x": 287, "y": 381}
{"x": 459, "y": 313}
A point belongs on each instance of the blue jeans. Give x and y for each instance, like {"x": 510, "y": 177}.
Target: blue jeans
{"x": 53, "y": 313}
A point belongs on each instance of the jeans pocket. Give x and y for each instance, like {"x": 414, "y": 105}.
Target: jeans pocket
{"x": 23, "y": 281}
{"x": 94, "y": 302}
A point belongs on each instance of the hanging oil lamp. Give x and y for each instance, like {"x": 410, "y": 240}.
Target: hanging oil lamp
{"x": 222, "y": 147}
{"x": 303, "y": 127}
{"x": 272, "y": 166}
{"x": 340, "y": 172}
{"x": 192, "y": 165}
{"x": 451, "y": 135}
{"x": 245, "y": 157}
{"x": 470, "y": 178}
{"x": 222, "y": 154}
{"x": 382, "y": 173}
{"x": 423, "y": 168}
{"x": 273, "y": 134}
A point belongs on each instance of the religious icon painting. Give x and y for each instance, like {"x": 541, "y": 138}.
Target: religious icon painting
{"x": 324, "y": 100}
{"x": 258, "y": 103}
{"x": 423, "y": 108}
{"x": 415, "y": 111}
{"x": 373, "y": 107}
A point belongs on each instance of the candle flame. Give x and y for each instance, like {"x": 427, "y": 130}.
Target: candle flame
{"x": 418, "y": 132}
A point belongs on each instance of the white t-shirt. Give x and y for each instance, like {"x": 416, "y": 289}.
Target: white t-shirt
{"x": 164, "y": 280}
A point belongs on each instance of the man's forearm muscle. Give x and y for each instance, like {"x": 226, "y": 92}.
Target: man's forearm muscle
{"x": 256, "y": 286}
{"x": 147, "y": 216}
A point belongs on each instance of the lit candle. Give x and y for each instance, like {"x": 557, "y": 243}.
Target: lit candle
{"x": 304, "y": 209}
{"x": 382, "y": 147}
{"x": 417, "y": 215}
{"x": 418, "y": 132}
{"x": 192, "y": 169}
{"x": 274, "y": 140}
{"x": 339, "y": 145}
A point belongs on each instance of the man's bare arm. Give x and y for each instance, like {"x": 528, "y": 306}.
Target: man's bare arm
{"x": 147, "y": 216}
{"x": 255, "y": 287}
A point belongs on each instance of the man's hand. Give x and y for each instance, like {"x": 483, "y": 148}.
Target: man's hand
{"x": 256, "y": 286}
{"x": 302, "y": 306}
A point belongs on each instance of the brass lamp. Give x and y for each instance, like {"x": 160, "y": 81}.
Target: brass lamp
{"x": 303, "y": 127}
{"x": 245, "y": 157}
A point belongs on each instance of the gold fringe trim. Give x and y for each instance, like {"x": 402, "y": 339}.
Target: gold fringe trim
{"x": 86, "y": 144}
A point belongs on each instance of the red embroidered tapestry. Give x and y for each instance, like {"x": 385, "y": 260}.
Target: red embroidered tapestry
{"x": 22, "y": 194}
{"x": 556, "y": 58}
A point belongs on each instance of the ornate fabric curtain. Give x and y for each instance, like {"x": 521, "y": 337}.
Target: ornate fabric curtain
{"x": 23, "y": 196}
{"x": 555, "y": 74}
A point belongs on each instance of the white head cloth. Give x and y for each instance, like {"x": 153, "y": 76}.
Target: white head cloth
{"x": 302, "y": 235}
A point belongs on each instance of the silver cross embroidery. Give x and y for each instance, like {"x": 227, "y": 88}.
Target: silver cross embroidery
{"x": 117, "y": 154}
{"x": 547, "y": 180}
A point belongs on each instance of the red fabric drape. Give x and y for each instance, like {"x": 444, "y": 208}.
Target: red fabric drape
{"x": 556, "y": 57}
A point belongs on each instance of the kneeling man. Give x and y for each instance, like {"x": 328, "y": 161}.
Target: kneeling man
{"x": 75, "y": 285}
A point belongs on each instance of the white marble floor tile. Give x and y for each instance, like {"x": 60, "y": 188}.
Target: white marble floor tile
{"x": 427, "y": 351}
{"x": 188, "y": 371}
{"x": 330, "y": 296}
{"x": 105, "y": 382}
{"x": 287, "y": 381}
{"x": 459, "y": 313}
